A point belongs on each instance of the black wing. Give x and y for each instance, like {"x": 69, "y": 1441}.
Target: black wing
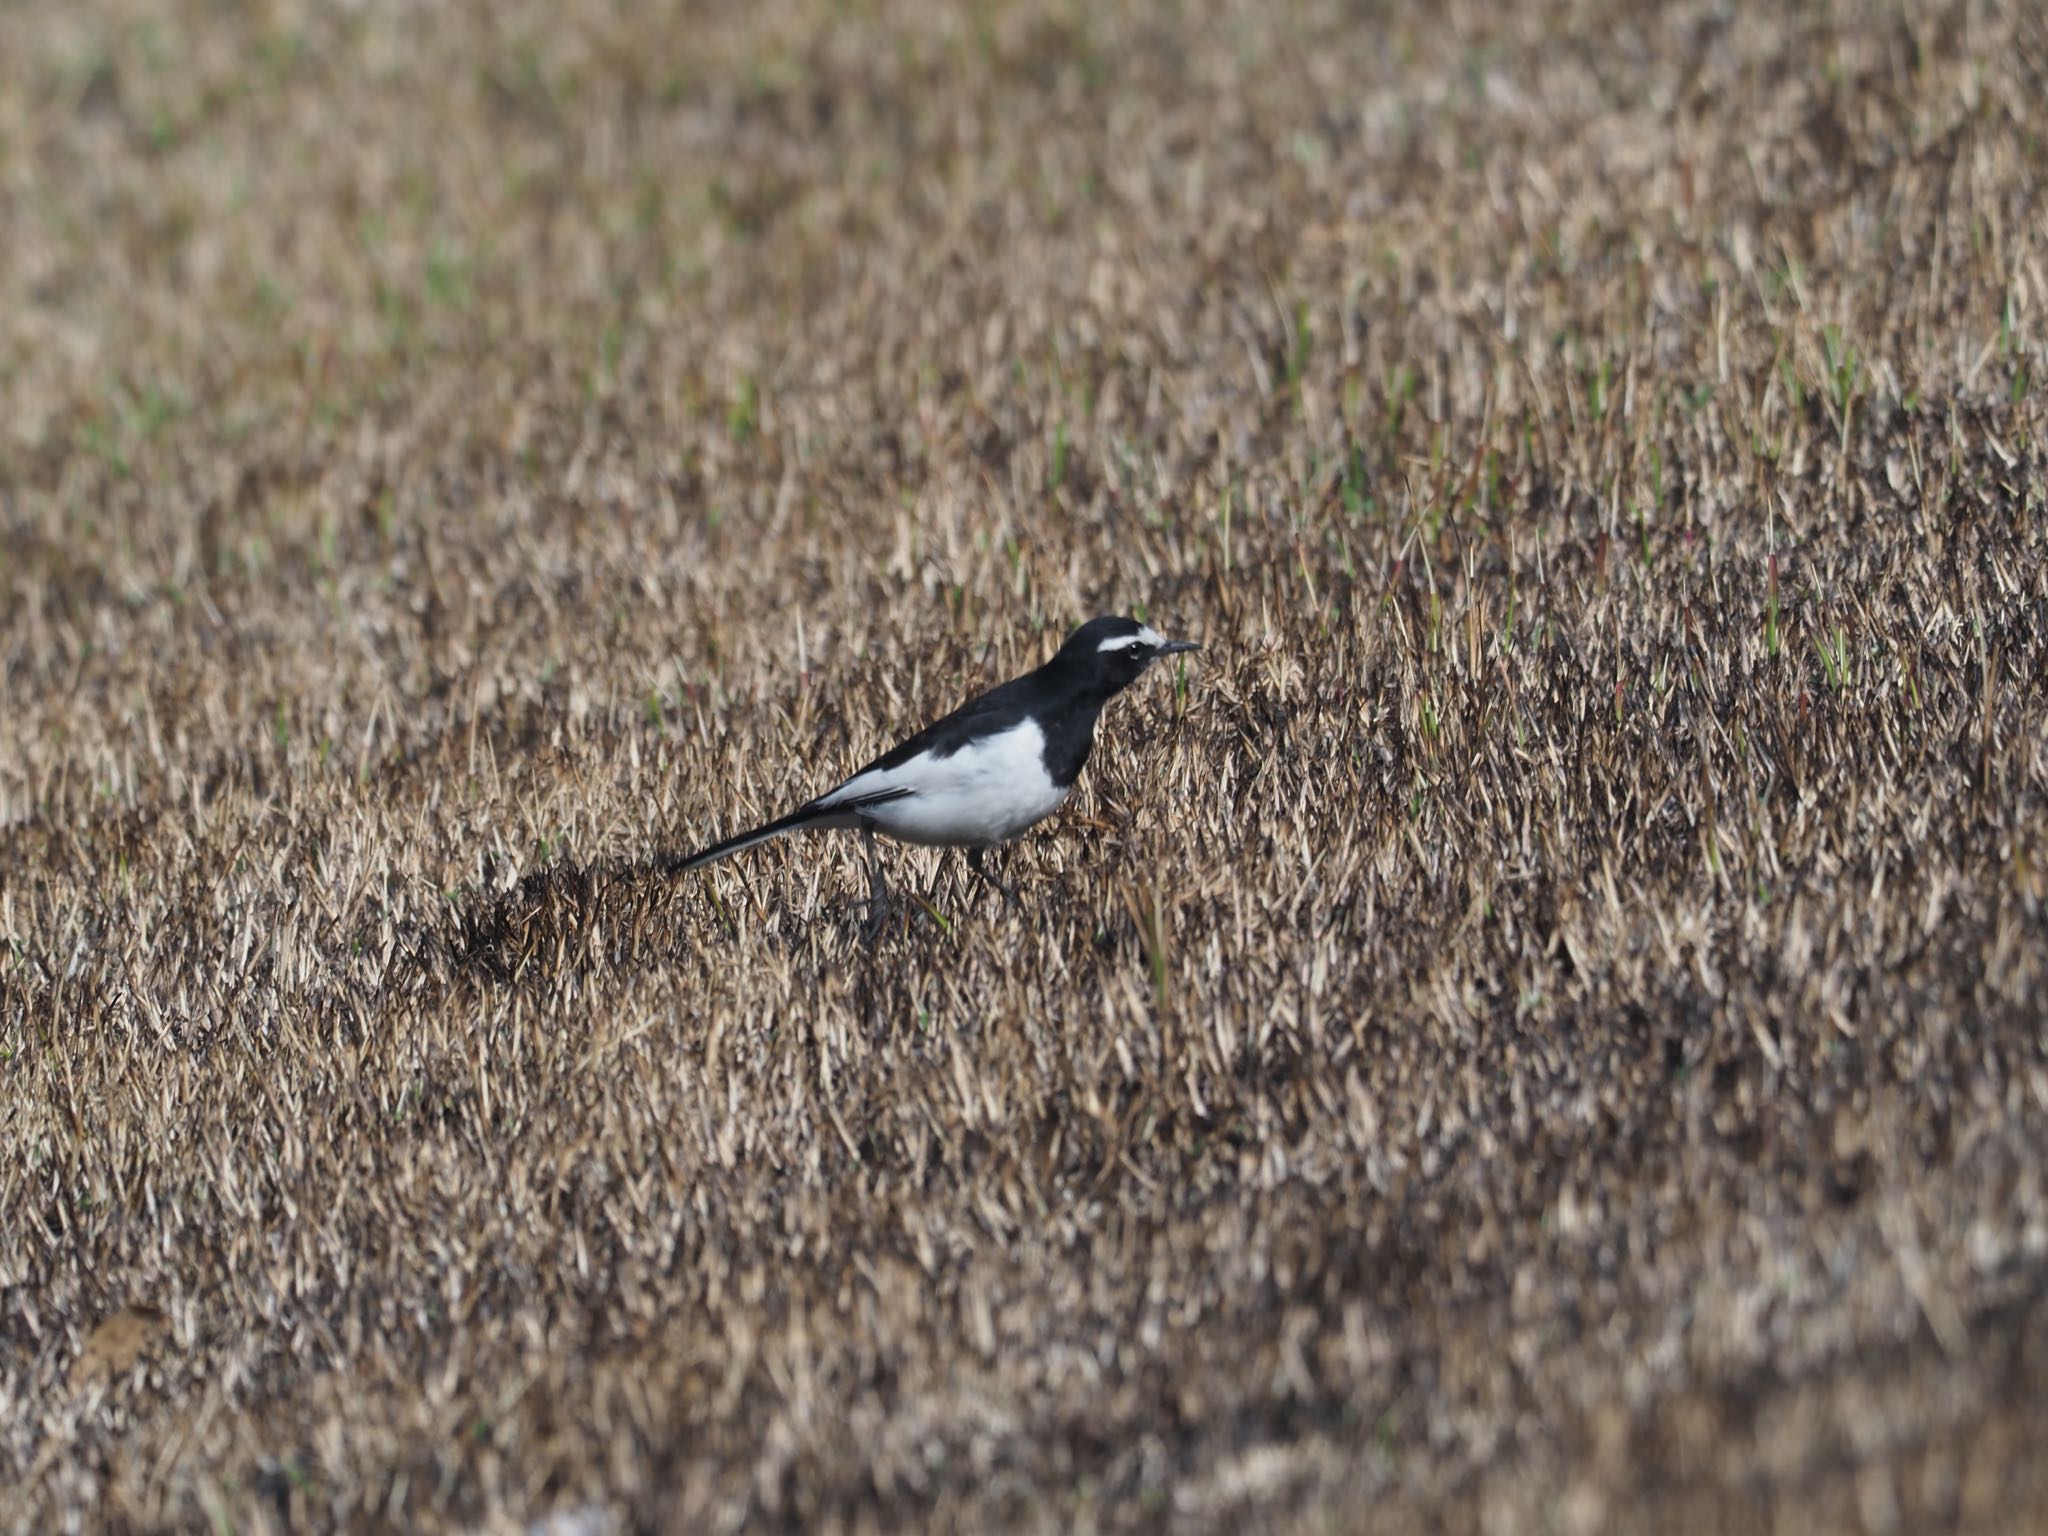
{"x": 996, "y": 710}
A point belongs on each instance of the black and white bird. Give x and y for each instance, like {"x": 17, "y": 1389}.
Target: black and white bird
{"x": 988, "y": 771}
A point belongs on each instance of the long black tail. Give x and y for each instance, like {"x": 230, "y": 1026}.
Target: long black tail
{"x": 820, "y": 813}
{"x": 804, "y": 816}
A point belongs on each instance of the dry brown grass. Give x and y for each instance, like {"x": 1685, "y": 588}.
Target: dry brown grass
{"x": 1543, "y": 1032}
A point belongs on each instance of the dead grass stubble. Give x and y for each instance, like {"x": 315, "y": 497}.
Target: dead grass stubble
{"x": 1542, "y": 1030}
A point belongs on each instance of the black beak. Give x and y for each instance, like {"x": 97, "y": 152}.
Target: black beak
{"x": 1175, "y": 647}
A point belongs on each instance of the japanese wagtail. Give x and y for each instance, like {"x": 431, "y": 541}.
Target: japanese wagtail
{"x": 991, "y": 769}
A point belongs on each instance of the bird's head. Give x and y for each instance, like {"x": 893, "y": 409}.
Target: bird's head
{"x": 1116, "y": 651}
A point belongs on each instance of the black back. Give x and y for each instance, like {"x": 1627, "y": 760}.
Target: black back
{"x": 1065, "y": 697}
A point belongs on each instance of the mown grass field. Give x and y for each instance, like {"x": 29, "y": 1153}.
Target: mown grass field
{"x": 1539, "y": 1028}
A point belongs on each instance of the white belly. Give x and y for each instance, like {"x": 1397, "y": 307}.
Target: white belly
{"x": 985, "y": 793}
{"x": 978, "y": 817}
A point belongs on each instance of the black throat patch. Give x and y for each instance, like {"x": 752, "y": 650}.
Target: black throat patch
{"x": 1069, "y": 735}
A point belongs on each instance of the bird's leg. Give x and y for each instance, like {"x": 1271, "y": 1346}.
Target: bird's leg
{"x": 974, "y": 863}
{"x": 878, "y": 894}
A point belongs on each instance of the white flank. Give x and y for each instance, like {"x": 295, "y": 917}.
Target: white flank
{"x": 1147, "y": 636}
{"x": 987, "y": 792}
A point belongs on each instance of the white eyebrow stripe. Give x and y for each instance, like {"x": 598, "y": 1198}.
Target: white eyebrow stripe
{"x": 1146, "y": 633}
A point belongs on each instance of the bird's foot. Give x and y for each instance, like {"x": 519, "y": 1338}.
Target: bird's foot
{"x": 871, "y": 925}
{"x": 1009, "y": 891}
{"x": 877, "y": 903}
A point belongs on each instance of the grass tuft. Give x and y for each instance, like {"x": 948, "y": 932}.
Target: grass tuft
{"x": 1510, "y": 1036}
